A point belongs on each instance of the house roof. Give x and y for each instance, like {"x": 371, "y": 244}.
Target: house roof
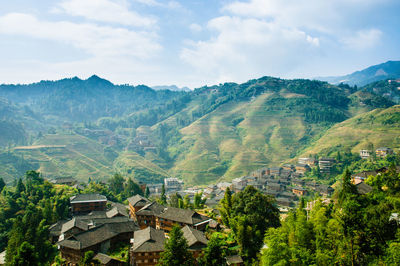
{"x": 80, "y": 198}
{"x": 234, "y": 259}
{"x": 74, "y": 222}
{"x": 182, "y": 215}
{"x": 138, "y": 200}
{"x": 148, "y": 240}
{"x": 97, "y": 235}
{"x": 55, "y": 229}
{"x": 363, "y": 188}
{"x": 63, "y": 180}
{"x": 194, "y": 236}
{"x": 299, "y": 188}
{"x": 104, "y": 259}
{"x": 152, "y": 208}
{"x": 122, "y": 208}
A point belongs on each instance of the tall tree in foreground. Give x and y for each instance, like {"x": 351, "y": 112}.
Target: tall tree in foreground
{"x": 251, "y": 215}
{"x": 176, "y": 251}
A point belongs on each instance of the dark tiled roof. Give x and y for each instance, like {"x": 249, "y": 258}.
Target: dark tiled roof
{"x": 194, "y": 236}
{"x": 234, "y": 259}
{"x": 153, "y": 208}
{"x": 87, "y": 198}
{"x": 182, "y": 215}
{"x": 122, "y": 208}
{"x": 148, "y": 240}
{"x": 74, "y": 222}
{"x": 55, "y": 229}
{"x": 104, "y": 259}
{"x": 138, "y": 200}
{"x": 363, "y": 188}
{"x": 98, "y": 235}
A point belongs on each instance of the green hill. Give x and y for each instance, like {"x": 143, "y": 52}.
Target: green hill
{"x": 212, "y": 133}
{"x": 377, "y": 128}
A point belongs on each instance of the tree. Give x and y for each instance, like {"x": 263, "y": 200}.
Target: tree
{"x": 117, "y": 184}
{"x": 176, "y": 251}
{"x": 132, "y": 188}
{"x": 88, "y": 259}
{"x": 226, "y": 207}
{"x": 163, "y": 199}
{"x": 198, "y": 200}
{"x": 26, "y": 256}
{"x": 175, "y": 199}
{"x": 20, "y": 187}
{"x": 2, "y": 184}
{"x": 214, "y": 253}
{"x": 251, "y": 215}
{"x": 147, "y": 193}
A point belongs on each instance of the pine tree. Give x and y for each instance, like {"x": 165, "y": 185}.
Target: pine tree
{"x": 176, "y": 251}
{"x": 214, "y": 253}
{"x": 163, "y": 198}
{"x": 226, "y": 207}
{"x": 2, "y": 184}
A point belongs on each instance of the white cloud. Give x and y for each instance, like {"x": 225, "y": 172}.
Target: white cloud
{"x": 363, "y": 39}
{"x": 246, "y": 47}
{"x": 96, "y": 40}
{"x": 106, "y": 11}
{"x": 194, "y": 27}
{"x": 169, "y": 4}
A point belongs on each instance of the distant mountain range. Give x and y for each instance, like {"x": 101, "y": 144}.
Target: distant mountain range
{"x": 93, "y": 128}
{"x": 390, "y": 69}
{"x": 170, "y": 87}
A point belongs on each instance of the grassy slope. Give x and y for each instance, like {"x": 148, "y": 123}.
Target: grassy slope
{"x": 81, "y": 158}
{"x": 381, "y": 127}
{"x": 213, "y": 147}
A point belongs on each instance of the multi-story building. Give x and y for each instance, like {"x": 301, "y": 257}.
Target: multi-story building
{"x": 85, "y": 203}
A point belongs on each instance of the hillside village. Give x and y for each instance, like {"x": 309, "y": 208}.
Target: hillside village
{"x": 100, "y": 225}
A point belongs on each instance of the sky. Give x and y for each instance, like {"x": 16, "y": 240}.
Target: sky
{"x": 194, "y": 43}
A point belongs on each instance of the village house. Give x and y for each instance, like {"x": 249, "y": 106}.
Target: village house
{"x": 136, "y": 203}
{"x": 362, "y": 176}
{"x": 325, "y": 164}
{"x": 299, "y": 191}
{"x": 302, "y": 168}
{"x": 383, "y": 152}
{"x": 146, "y": 216}
{"x": 147, "y": 245}
{"x": 324, "y": 190}
{"x": 364, "y": 154}
{"x": 275, "y": 171}
{"x": 69, "y": 181}
{"x": 309, "y": 161}
{"x": 283, "y": 201}
{"x": 172, "y": 184}
{"x": 171, "y": 216}
{"x": 97, "y": 239}
{"x": 84, "y": 203}
{"x": 196, "y": 240}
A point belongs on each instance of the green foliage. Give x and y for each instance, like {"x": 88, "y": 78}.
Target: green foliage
{"x": 251, "y": 214}
{"x": 215, "y": 252}
{"x": 176, "y": 251}
{"x": 355, "y": 230}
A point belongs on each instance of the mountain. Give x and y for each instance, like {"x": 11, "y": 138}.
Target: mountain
{"x": 93, "y": 128}
{"x": 77, "y": 100}
{"x": 170, "y": 87}
{"x": 264, "y": 122}
{"x": 390, "y": 69}
{"x": 377, "y": 128}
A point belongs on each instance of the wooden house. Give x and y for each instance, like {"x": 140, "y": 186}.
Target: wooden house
{"x": 85, "y": 203}
{"x": 136, "y": 203}
{"x": 147, "y": 245}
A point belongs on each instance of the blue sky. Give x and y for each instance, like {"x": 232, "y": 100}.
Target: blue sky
{"x": 194, "y": 43}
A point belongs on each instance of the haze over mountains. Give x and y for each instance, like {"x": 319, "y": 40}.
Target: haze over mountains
{"x": 93, "y": 128}
{"x": 390, "y": 69}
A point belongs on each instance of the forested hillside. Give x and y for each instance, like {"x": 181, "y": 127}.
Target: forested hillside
{"x": 93, "y": 128}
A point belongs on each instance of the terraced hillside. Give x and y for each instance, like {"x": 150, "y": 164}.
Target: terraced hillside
{"x": 377, "y": 128}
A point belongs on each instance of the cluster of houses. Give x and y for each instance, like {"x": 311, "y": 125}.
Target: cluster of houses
{"x": 285, "y": 183}
{"x": 380, "y": 152}
{"x": 99, "y": 225}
